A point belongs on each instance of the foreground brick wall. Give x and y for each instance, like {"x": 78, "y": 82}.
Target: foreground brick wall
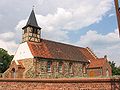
{"x": 60, "y": 84}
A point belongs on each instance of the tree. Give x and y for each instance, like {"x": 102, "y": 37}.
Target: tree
{"x": 115, "y": 69}
{"x": 5, "y": 60}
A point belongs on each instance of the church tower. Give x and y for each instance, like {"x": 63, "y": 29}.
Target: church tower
{"x": 31, "y": 31}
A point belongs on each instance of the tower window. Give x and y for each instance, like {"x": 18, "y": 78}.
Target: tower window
{"x": 25, "y": 31}
{"x": 34, "y": 30}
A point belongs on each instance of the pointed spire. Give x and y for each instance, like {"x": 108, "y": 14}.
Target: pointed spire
{"x": 32, "y": 20}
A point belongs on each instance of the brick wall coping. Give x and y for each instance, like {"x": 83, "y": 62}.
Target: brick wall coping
{"x": 62, "y": 80}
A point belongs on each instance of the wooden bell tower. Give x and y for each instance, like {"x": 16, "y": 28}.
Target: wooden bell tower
{"x": 117, "y": 7}
{"x": 31, "y": 32}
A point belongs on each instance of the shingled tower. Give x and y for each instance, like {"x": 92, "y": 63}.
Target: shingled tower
{"x": 31, "y": 31}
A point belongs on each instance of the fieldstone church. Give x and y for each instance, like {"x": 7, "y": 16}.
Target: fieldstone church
{"x": 40, "y": 58}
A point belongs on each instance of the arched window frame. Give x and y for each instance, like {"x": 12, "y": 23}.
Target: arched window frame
{"x": 60, "y": 67}
{"x": 84, "y": 68}
{"x": 107, "y": 73}
{"x": 70, "y": 69}
{"x": 13, "y": 73}
{"x": 49, "y": 66}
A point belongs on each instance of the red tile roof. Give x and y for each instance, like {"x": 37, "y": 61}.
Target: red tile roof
{"x": 95, "y": 62}
{"x": 100, "y": 62}
{"x": 55, "y": 50}
{"x": 88, "y": 54}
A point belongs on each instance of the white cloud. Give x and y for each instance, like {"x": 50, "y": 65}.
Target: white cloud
{"x": 108, "y": 44}
{"x": 93, "y": 38}
{"x": 0, "y": 16}
{"x": 18, "y": 28}
{"x": 71, "y": 15}
{"x": 76, "y": 14}
{"x": 7, "y": 42}
{"x": 10, "y": 46}
{"x": 7, "y": 36}
{"x": 111, "y": 15}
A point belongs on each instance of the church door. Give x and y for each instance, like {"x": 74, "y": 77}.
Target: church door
{"x": 92, "y": 74}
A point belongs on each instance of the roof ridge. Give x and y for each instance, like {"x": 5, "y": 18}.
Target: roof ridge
{"x": 92, "y": 53}
{"x": 63, "y": 43}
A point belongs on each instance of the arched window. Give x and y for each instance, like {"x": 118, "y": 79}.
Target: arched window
{"x": 13, "y": 73}
{"x": 49, "y": 66}
{"x": 60, "y": 67}
{"x": 84, "y": 68}
{"x": 70, "y": 68}
{"x": 107, "y": 73}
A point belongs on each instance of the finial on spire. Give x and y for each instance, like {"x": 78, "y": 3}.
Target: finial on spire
{"x": 33, "y": 7}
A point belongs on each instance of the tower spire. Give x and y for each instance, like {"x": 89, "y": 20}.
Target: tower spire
{"x": 32, "y": 20}
{"x": 31, "y": 31}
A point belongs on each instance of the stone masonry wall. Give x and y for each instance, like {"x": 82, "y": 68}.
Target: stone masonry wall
{"x": 60, "y": 84}
{"x": 20, "y": 73}
{"x": 39, "y": 69}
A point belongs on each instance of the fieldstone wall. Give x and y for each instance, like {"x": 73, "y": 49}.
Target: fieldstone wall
{"x": 21, "y": 69}
{"x": 60, "y": 84}
{"x": 39, "y": 69}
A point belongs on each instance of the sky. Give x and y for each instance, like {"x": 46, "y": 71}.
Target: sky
{"x": 83, "y": 23}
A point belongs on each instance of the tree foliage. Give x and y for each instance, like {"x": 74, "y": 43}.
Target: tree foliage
{"x": 115, "y": 69}
{"x": 5, "y": 60}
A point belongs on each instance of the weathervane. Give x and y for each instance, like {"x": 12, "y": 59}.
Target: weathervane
{"x": 117, "y": 13}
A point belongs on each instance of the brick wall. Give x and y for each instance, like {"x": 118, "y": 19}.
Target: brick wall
{"x": 94, "y": 72}
{"x": 60, "y": 84}
{"x": 104, "y": 71}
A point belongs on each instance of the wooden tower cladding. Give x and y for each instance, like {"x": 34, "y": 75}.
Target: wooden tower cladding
{"x": 31, "y": 32}
{"x": 117, "y": 13}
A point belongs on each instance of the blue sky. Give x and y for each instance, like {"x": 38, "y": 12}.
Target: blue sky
{"x": 78, "y": 22}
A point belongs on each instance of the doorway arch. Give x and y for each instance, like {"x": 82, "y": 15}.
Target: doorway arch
{"x": 13, "y": 73}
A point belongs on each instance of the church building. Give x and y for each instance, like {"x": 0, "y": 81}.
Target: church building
{"x": 40, "y": 58}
